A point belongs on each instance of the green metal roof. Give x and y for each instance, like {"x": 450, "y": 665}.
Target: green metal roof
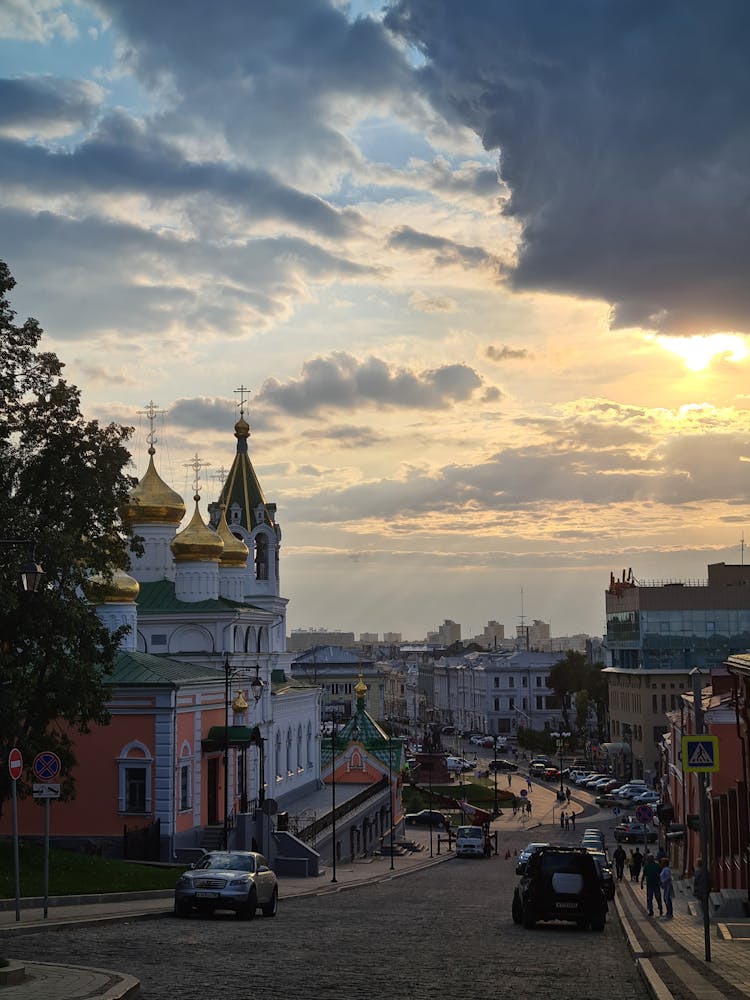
{"x": 238, "y": 736}
{"x": 132, "y": 668}
{"x": 362, "y": 728}
{"x": 160, "y": 596}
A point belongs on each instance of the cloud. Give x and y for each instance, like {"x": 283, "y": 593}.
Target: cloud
{"x": 35, "y": 20}
{"x": 446, "y": 252}
{"x": 505, "y": 353}
{"x": 623, "y": 139}
{"x": 151, "y": 282}
{"x": 341, "y": 381}
{"x": 346, "y": 436}
{"x": 431, "y": 303}
{"x": 47, "y": 105}
{"x": 124, "y": 156}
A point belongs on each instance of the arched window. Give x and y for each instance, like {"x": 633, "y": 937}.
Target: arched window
{"x": 289, "y": 751}
{"x": 261, "y": 557}
{"x": 309, "y": 745}
{"x": 134, "y": 772}
{"x": 277, "y": 755}
{"x": 300, "y": 764}
{"x": 186, "y": 775}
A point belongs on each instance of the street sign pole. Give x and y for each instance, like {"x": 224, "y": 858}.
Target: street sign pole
{"x": 695, "y": 676}
{"x": 46, "y": 856}
{"x": 16, "y": 865}
{"x": 15, "y": 767}
{"x": 46, "y": 768}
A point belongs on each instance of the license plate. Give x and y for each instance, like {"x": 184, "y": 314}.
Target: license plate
{"x": 206, "y": 894}
{"x": 567, "y": 906}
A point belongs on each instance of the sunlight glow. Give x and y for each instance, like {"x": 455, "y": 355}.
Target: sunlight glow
{"x": 698, "y": 352}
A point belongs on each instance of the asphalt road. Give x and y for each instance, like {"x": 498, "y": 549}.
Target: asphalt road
{"x": 441, "y": 932}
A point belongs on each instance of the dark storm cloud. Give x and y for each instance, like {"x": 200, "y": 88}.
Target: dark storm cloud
{"x": 346, "y": 436}
{"x": 40, "y": 103}
{"x": 271, "y": 70}
{"x": 445, "y": 251}
{"x": 624, "y": 141}
{"x": 341, "y": 381}
{"x": 123, "y": 156}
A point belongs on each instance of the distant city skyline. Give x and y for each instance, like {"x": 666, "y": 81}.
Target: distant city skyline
{"x": 480, "y": 267}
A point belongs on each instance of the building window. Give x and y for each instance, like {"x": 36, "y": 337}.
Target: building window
{"x": 512, "y": 704}
{"x": 538, "y": 682}
{"x": 261, "y": 557}
{"x": 184, "y": 786}
{"x": 134, "y": 779}
{"x": 511, "y": 682}
{"x": 277, "y": 756}
{"x": 289, "y": 752}
{"x": 135, "y": 789}
{"x": 300, "y": 764}
{"x": 654, "y": 703}
{"x": 309, "y": 745}
{"x": 540, "y": 704}
{"x": 497, "y": 704}
{"x": 497, "y": 682}
{"x": 524, "y": 681}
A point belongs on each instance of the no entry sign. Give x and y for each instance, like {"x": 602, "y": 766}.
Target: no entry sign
{"x": 15, "y": 763}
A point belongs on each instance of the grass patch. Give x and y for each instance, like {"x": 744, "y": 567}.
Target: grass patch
{"x": 74, "y": 874}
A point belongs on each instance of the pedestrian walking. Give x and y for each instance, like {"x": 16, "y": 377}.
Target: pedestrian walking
{"x": 567, "y": 821}
{"x": 562, "y": 820}
{"x": 629, "y": 863}
{"x": 619, "y": 859}
{"x": 651, "y": 876}
{"x": 510, "y": 779}
{"x": 528, "y": 806}
{"x": 528, "y": 784}
{"x": 667, "y": 887}
{"x": 567, "y": 794}
{"x": 637, "y": 862}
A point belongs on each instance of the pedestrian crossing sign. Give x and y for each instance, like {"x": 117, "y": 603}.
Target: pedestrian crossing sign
{"x": 700, "y": 754}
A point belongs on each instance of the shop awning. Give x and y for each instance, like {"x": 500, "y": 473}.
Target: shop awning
{"x": 235, "y": 736}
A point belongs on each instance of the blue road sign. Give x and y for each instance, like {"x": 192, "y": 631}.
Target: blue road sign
{"x": 644, "y": 813}
{"x": 615, "y": 810}
{"x": 523, "y": 793}
{"x": 700, "y": 753}
{"x": 46, "y": 766}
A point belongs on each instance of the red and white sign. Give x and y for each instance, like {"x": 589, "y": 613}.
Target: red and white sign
{"x": 15, "y": 763}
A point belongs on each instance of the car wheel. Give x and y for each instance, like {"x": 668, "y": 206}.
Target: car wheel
{"x": 270, "y": 908}
{"x": 598, "y": 924}
{"x": 528, "y": 918}
{"x": 516, "y": 911}
{"x": 183, "y": 908}
{"x": 247, "y": 912}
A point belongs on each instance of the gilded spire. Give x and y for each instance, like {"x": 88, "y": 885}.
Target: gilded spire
{"x": 197, "y": 543}
{"x": 152, "y": 501}
{"x": 121, "y": 589}
{"x": 235, "y": 551}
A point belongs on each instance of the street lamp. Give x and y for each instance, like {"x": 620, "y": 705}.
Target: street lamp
{"x": 31, "y": 574}
{"x": 225, "y": 838}
{"x": 494, "y": 743}
{"x": 390, "y": 792}
{"x": 560, "y": 739}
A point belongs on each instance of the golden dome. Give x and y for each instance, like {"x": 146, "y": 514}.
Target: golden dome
{"x": 239, "y": 705}
{"x": 235, "y": 551}
{"x": 152, "y": 500}
{"x": 121, "y": 589}
{"x": 242, "y": 428}
{"x": 360, "y": 688}
{"x": 197, "y": 543}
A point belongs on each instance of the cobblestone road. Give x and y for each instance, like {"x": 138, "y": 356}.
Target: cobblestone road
{"x": 442, "y": 932}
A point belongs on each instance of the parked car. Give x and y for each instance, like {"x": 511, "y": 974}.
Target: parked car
{"x": 551, "y": 774}
{"x": 537, "y": 768}
{"x": 456, "y": 765}
{"x": 631, "y": 832}
{"x": 469, "y": 842}
{"x": 540, "y": 759}
{"x": 425, "y": 817}
{"x": 609, "y": 800}
{"x": 526, "y": 853}
{"x": 647, "y": 798}
{"x": 228, "y": 880}
{"x": 502, "y": 765}
{"x": 560, "y": 883}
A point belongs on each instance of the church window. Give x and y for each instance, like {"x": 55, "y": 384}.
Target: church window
{"x": 309, "y": 745}
{"x": 300, "y": 764}
{"x": 184, "y": 786}
{"x": 134, "y": 779}
{"x": 289, "y": 751}
{"x": 261, "y": 557}
{"x": 277, "y": 756}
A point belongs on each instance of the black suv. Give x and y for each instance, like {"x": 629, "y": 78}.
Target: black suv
{"x": 560, "y": 883}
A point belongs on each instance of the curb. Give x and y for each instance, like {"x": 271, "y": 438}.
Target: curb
{"x": 653, "y": 982}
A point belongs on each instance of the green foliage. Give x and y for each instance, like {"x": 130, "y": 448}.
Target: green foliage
{"x": 573, "y": 673}
{"x": 63, "y": 487}
{"x": 74, "y": 874}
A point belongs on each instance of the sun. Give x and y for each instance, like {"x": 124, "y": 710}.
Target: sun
{"x": 698, "y": 352}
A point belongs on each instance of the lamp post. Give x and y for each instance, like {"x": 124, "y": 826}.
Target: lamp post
{"x": 225, "y": 837}
{"x": 334, "y": 716}
{"x": 494, "y": 743}
{"x": 560, "y": 739}
{"x": 30, "y": 578}
{"x": 257, "y": 689}
{"x": 390, "y": 792}
{"x": 429, "y": 787}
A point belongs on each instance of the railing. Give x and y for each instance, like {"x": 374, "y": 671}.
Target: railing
{"x": 309, "y": 833}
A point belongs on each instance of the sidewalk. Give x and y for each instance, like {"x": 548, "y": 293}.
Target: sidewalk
{"x": 671, "y": 954}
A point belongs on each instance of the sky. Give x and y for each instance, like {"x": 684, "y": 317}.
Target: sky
{"x": 482, "y": 267}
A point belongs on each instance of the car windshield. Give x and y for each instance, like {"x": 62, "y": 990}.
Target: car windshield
{"x": 551, "y": 863}
{"x": 469, "y": 831}
{"x": 229, "y": 862}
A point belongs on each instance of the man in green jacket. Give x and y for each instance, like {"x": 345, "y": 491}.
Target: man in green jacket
{"x": 650, "y": 876}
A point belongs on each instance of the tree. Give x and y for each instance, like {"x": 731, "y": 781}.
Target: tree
{"x": 63, "y": 487}
{"x": 573, "y": 673}
{"x": 582, "y": 704}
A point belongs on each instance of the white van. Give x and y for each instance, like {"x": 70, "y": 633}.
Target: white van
{"x": 469, "y": 842}
{"x": 455, "y": 765}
